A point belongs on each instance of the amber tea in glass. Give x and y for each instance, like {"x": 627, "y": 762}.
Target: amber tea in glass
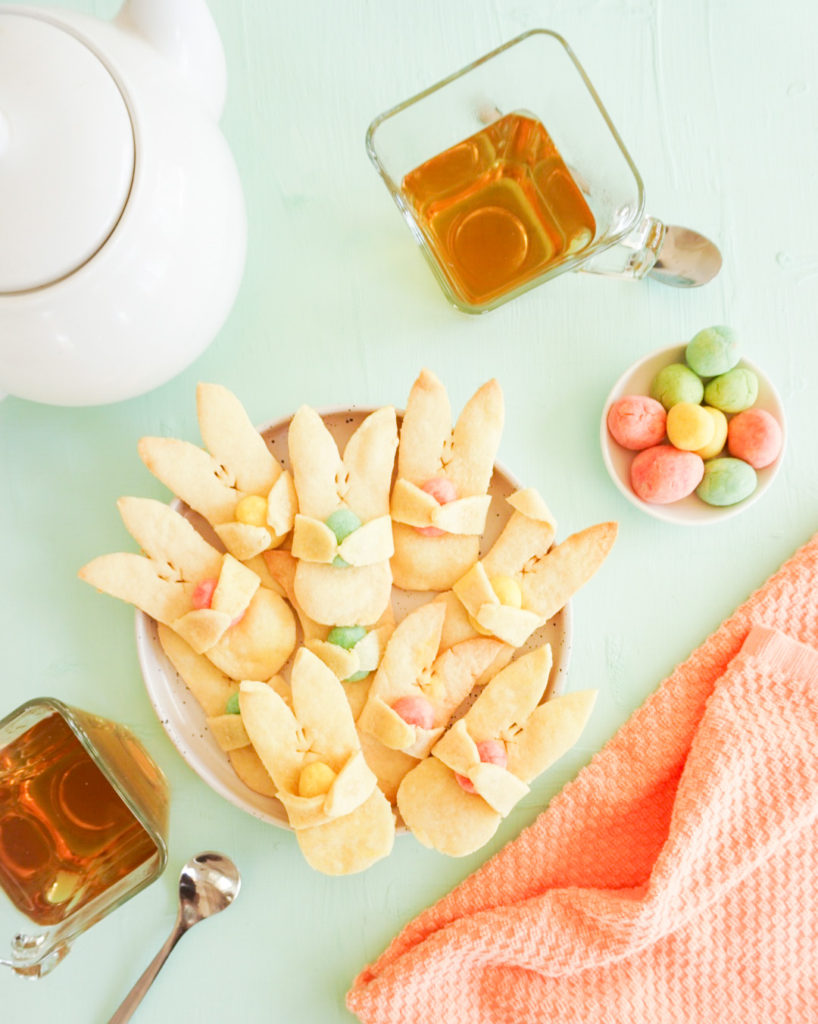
{"x": 499, "y": 207}
{"x": 509, "y": 172}
{"x": 82, "y": 818}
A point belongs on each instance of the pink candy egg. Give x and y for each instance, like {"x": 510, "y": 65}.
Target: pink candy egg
{"x": 637, "y": 421}
{"x": 755, "y": 436}
{"x": 663, "y": 474}
{"x": 203, "y": 593}
{"x": 443, "y": 491}
{"x": 491, "y": 752}
{"x": 416, "y": 711}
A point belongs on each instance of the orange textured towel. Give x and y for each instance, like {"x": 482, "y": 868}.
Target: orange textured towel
{"x": 675, "y": 880}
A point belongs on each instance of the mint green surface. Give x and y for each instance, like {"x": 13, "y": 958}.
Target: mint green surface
{"x": 337, "y": 308}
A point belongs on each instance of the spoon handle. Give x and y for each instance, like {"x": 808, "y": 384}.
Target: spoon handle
{"x": 143, "y": 983}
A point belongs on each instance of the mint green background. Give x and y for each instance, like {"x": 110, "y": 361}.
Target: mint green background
{"x": 716, "y": 101}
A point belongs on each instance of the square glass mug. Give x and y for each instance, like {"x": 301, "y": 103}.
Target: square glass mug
{"x": 83, "y": 826}
{"x": 458, "y": 128}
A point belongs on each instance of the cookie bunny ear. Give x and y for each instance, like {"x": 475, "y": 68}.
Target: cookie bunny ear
{"x": 178, "y": 557}
{"x": 439, "y": 501}
{"x": 360, "y": 478}
{"x": 246, "y": 630}
{"x": 236, "y": 465}
{"x": 342, "y": 534}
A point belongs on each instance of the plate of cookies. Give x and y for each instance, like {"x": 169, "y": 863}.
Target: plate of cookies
{"x": 353, "y": 623}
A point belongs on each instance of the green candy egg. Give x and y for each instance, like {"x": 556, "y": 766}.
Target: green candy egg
{"x": 676, "y": 383}
{"x": 712, "y": 351}
{"x": 733, "y": 391}
{"x": 726, "y": 481}
{"x": 343, "y": 522}
{"x": 356, "y": 677}
{"x": 232, "y": 705}
{"x": 346, "y": 636}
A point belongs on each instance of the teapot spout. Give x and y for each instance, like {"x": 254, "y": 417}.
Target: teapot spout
{"x": 184, "y": 32}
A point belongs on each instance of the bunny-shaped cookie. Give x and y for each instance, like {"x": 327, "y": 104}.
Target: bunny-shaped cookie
{"x": 237, "y": 484}
{"x": 342, "y": 821}
{"x": 342, "y": 536}
{"x": 439, "y": 501}
{"x": 416, "y": 690}
{"x": 523, "y": 580}
{"x": 456, "y": 798}
{"x": 213, "y": 601}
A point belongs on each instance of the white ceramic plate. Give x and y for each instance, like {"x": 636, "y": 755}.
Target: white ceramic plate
{"x": 690, "y": 511}
{"x": 184, "y": 720}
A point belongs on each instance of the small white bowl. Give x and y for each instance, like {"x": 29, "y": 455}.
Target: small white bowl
{"x": 690, "y": 511}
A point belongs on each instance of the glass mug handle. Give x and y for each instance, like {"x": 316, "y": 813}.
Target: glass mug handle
{"x": 673, "y": 255}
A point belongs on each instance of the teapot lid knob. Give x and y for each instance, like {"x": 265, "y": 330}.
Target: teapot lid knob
{"x": 66, "y": 152}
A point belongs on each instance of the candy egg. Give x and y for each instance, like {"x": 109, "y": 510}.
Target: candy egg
{"x": 252, "y": 510}
{"x": 726, "y": 481}
{"x": 689, "y": 426}
{"x": 663, "y": 474}
{"x": 443, "y": 491}
{"x": 490, "y": 752}
{"x": 315, "y": 779}
{"x": 712, "y": 351}
{"x": 755, "y": 436}
{"x": 733, "y": 391}
{"x": 416, "y": 711}
{"x": 637, "y": 421}
{"x": 507, "y": 590}
{"x": 676, "y": 383}
{"x": 716, "y": 443}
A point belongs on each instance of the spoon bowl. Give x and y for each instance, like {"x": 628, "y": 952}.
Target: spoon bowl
{"x": 208, "y": 884}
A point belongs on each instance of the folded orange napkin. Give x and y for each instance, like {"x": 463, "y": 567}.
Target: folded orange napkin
{"x": 674, "y": 880}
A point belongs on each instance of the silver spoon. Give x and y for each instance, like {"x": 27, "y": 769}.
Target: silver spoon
{"x": 686, "y": 259}
{"x": 209, "y": 882}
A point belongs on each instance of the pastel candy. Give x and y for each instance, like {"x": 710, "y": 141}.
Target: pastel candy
{"x": 676, "y": 383}
{"x": 755, "y": 436}
{"x": 637, "y": 421}
{"x": 733, "y": 391}
{"x": 712, "y": 351}
{"x": 663, "y": 474}
{"x": 717, "y": 442}
{"x": 726, "y": 481}
{"x": 689, "y": 426}
{"x": 415, "y": 710}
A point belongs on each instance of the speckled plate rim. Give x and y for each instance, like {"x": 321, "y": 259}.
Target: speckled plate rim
{"x": 182, "y": 717}
{"x": 690, "y": 511}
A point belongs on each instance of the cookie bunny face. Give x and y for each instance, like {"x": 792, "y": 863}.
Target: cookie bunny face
{"x": 439, "y": 501}
{"x": 342, "y": 536}
{"x": 236, "y": 484}
{"x": 213, "y": 601}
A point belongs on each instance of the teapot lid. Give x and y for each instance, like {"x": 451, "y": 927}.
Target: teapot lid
{"x": 66, "y": 152}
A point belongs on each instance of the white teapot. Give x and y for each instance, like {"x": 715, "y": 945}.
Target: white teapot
{"x": 122, "y": 220}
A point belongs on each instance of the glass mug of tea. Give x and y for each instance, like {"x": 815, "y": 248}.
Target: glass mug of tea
{"x": 510, "y": 172}
{"x": 83, "y": 825}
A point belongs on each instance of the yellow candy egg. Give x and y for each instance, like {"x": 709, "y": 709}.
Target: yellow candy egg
{"x": 719, "y": 439}
{"x": 507, "y": 590}
{"x": 689, "y": 426}
{"x": 252, "y": 510}
{"x": 315, "y": 779}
